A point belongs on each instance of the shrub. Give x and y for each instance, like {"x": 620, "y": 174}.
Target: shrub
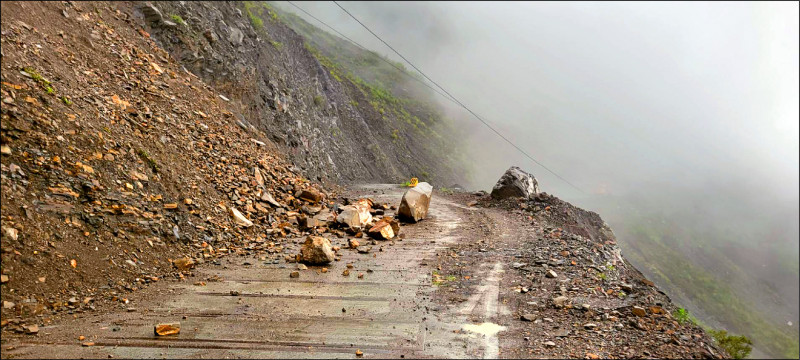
{"x": 738, "y": 346}
{"x": 681, "y": 315}
{"x": 178, "y": 19}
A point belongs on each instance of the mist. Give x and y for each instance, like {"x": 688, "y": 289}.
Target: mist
{"x": 685, "y": 112}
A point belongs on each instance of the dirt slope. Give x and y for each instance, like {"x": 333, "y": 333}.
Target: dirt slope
{"x": 116, "y": 161}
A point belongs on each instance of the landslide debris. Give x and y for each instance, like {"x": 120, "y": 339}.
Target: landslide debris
{"x": 569, "y": 290}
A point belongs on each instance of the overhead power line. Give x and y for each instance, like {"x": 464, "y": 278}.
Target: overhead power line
{"x": 457, "y": 101}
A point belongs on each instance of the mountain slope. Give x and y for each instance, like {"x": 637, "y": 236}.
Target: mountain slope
{"x": 331, "y": 123}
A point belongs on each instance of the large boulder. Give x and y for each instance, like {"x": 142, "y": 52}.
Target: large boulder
{"x": 316, "y": 250}
{"x": 515, "y": 183}
{"x": 415, "y": 202}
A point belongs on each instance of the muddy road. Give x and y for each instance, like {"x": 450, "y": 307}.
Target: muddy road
{"x": 476, "y": 279}
{"x": 255, "y": 310}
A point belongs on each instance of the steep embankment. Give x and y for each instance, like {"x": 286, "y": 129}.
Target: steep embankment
{"x": 334, "y": 121}
{"x": 115, "y": 161}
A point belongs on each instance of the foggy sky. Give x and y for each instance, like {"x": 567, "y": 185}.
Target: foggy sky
{"x": 615, "y": 97}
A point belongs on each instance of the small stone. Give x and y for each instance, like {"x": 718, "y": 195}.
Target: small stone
{"x": 528, "y": 317}
{"x": 316, "y": 250}
{"x": 346, "y": 272}
{"x": 3, "y": 279}
{"x": 354, "y": 243}
{"x": 234, "y": 293}
{"x": 628, "y": 288}
{"x": 294, "y": 274}
{"x": 31, "y": 329}
{"x": 638, "y": 311}
{"x": 87, "y": 344}
{"x": 81, "y": 338}
{"x": 183, "y": 264}
{"x": 302, "y": 267}
{"x": 359, "y": 353}
{"x": 5, "y": 150}
{"x": 549, "y": 344}
{"x": 589, "y": 326}
{"x": 551, "y": 274}
{"x": 167, "y": 329}
{"x": 239, "y": 219}
{"x": 560, "y": 301}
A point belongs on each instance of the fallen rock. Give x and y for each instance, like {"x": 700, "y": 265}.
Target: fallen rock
{"x": 270, "y": 200}
{"x": 183, "y": 264}
{"x": 257, "y": 175}
{"x": 515, "y": 183}
{"x": 316, "y": 250}
{"x": 638, "y": 311}
{"x": 167, "y": 329}
{"x": 354, "y": 216}
{"x": 310, "y": 195}
{"x": 551, "y": 274}
{"x": 354, "y": 243}
{"x": 294, "y": 274}
{"x": 239, "y": 219}
{"x": 528, "y": 317}
{"x": 3, "y": 279}
{"x": 385, "y": 228}
{"x": 549, "y": 344}
{"x": 415, "y": 202}
{"x": 31, "y": 329}
{"x": 560, "y": 301}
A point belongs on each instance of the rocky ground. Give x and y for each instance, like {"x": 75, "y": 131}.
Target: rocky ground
{"x": 566, "y": 290}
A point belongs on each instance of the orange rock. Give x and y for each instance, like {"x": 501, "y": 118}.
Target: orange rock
{"x": 167, "y": 329}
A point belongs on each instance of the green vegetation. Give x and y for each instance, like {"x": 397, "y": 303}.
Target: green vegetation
{"x": 147, "y": 160}
{"x": 44, "y": 83}
{"x": 65, "y": 100}
{"x": 400, "y": 103}
{"x": 681, "y": 315}
{"x": 658, "y": 252}
{"x": 319, "y": 100}
{"x": 277, "y": 44}
{"x": 738, "y": 347}
{"x": 602, "y": 276}
{"x": 251, "y": 8}
{"x": 178, "y": 19}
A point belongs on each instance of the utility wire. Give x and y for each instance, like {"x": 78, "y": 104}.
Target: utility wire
{"x": 457, "y": 101}
{"x": 403, "y": 71}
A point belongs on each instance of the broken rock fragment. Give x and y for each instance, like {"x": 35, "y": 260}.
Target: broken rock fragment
{"x": 239, "y": 219}
{"x": 311, "y": 195}
{"x": 167, "y": 329}
{"x": 354, "y": 216}
{"x": 415, "y": 202}
{"x": 316, "y": 250}
{"x": 183, "y": 264}
{"x": 385, "y": 228}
